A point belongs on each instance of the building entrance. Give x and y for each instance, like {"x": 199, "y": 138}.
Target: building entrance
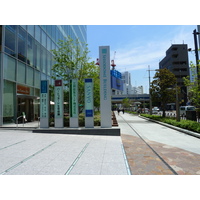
{"x": 25, "y": 105}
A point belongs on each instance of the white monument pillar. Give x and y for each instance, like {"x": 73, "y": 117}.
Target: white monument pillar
{"x": 105, "y": 87}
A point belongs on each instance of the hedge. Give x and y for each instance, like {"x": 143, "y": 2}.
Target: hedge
{"x": 185, "y": 124}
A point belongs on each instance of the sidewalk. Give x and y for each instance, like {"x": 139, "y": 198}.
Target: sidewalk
{"x": 169, "y": 151}
{"x": 179, "y": 151}
{"x": 34, "y": 124}
{"x": 27, "y": 153}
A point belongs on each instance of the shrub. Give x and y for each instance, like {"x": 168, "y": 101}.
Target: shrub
{"x": 185, "y": 124}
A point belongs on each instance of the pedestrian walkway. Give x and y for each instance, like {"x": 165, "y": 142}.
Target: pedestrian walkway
{"x": 161, "y": 150}
{"x": 27, "y": 153}
{"x": 34, "y": 124}
{"x": 144, "y": 148}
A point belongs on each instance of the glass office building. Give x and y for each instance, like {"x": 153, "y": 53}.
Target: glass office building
{"x": 25, "y": 59}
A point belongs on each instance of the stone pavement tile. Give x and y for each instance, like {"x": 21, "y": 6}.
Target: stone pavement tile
{"x": 182, "y": 161}
{"x": 141, "y": 159}
{"x": 113, "y": 168}
{"x": 113, "y": 158}
{"x": 58, "y": 167}
{"x": 86, "y": 168}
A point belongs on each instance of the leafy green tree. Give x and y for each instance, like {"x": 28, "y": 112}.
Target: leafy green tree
{"x": 69, "y": 59}
{"x": 163, "y": 88}
{"x": 126, "y": 102}
{"x": 193, "y": 86}
{"x": 72, "y": 62}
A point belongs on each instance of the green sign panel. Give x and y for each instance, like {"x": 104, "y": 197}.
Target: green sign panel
{"x": 74, "y": 98}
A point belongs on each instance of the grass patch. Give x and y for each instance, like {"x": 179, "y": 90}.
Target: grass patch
{"x": 131, "y": 112}
{"x": 185, "y": 124}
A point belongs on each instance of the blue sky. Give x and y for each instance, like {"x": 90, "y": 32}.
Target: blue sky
{"x": 138, "y": 46}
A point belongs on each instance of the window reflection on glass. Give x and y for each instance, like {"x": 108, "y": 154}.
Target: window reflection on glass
{"x": 30, "y": 29}
{"x": 44, "y": 38}
{"x": 22, "y": 45}
{"x": 37, "y": 55}
{"x": 37, "y": 33}
{"x": 30, "y": 50}
{"x": 21, "y": 73}
{"x": 10, "y": 35}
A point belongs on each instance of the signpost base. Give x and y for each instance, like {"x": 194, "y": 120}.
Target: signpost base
{"x": 89, "y": 122}
{"x": 73, "y": 122}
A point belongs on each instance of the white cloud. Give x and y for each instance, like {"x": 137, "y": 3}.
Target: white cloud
{"x": 132, "y": 57}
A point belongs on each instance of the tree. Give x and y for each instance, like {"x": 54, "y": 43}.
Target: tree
{"x": 72, "y": 63}
{"x": 193, "y": 86}
{"x": 69, "y": 59}
{"x": 163, "y": 88}
{"x": 126, "y": 102}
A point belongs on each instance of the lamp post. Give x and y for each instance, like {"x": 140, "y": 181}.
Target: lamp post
{"x": 150, "y": 100}
{"x": 196, "y": 47}
{"x": 177, "y": 105}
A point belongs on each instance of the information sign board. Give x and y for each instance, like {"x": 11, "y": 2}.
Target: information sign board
{"x": 74, "y": 103}
{"x": 44, "y": 104}
{"x": 58, "y": 98}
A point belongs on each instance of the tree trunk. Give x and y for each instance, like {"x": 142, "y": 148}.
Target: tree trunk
{"x": 163, "y": 115}
{"x": 163, "y": 108}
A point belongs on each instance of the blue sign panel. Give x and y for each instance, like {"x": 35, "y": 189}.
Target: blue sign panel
{"x": 88, "y": 80}
{"x": 43, "y": 86}
{"x": 89, "y": 113}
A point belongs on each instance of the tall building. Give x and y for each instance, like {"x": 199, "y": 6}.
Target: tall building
{"x": 126, "y": 77}
{"x": 176, "y": 60}
{"x": 127, "y": 87}
{"x": 138, "y": 90}
{"x": 25, "y": 59}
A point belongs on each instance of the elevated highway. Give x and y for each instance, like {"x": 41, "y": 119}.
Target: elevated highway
{"x": 132, "y": 97}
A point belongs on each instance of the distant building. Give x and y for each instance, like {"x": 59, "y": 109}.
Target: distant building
{"x": 126, "y": 77}
{"x": 127, "y": 87}
{"x": 116, "y": 82}
{"x": 176, "y": 60}
{"x": 138, "y": 90}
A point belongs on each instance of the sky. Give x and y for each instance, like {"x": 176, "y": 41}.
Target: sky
{"x": 138, "y": 46}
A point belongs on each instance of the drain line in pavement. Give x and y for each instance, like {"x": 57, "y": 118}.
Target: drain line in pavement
{"x": 76, "y": 160}
{"x": 12, "y": 144}
{"x": 126, "y": 161}
{"x": 16, "y": 165}
{"x": 172, "y": 170}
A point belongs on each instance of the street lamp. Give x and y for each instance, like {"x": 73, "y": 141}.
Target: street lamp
{"x": 177, "y": 105}
{"x": 196, "y": 47}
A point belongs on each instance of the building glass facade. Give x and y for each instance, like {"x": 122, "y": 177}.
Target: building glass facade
{"x": 25, "y": 59}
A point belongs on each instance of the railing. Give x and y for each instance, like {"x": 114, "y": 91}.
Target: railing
{"x": 19, "y": 118}
{"x": 38, "y": 122}
{"x": 182, "y": 116}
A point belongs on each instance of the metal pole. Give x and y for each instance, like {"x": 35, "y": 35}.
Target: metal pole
{"x": 196, "y": 48}
{"x": 150, "y": 100}
{"x": 177, "y": 105}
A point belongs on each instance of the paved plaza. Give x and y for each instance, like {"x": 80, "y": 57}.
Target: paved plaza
{"x": 27, "y": 153}
{"x": 144, "y": 148}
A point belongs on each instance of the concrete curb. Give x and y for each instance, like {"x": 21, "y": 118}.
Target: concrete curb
{"x": 174, "y": 127}
{"x": 81, "y": 131}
